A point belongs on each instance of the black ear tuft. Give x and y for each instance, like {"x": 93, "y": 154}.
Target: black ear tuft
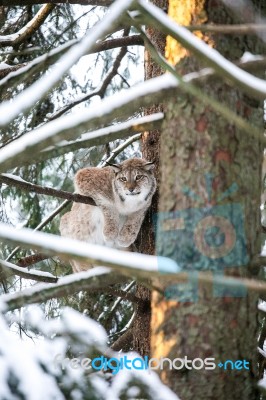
{"x": 116, "y": 167}
{"x": 149, "y": 166}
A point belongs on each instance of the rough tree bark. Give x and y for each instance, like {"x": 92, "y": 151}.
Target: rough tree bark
{"x": 150, "y": 151}
{"x": 201, "y": 157}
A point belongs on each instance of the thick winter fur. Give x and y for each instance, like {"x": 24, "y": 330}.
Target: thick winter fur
{"x": 123, "y": 193}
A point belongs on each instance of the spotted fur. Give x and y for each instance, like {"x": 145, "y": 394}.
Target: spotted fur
{"x": 122, "y": 193}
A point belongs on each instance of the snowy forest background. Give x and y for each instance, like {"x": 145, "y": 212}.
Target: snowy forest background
{"x": 74, "y": 93}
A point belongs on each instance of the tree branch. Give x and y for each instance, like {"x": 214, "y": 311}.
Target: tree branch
{"x": 25, "y": 100}
{"x": 125, "y": 341}
{"x": 103, "y": 136}
{"x": 99, "y": 92}
{"x": 100, "y": 3}
{"x": 31, "y": 259}
{"x": 11, "y": 269}
{"x": 250, "y": 84}
{"x": 240, "y": 29}
{"x": 93, "y": 279}
{"x": 16, "y": 74}
{"x": 38, "y": 228}
{"x": 28, "y": 30}
{"x": 152, "y": 91}
{"x": 11, "y": 68}
{"x": 30, "y": 187}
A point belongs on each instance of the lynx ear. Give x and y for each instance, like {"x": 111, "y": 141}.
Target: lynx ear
{"x": 116, "y": 167}
{"x": 149, "y": 166}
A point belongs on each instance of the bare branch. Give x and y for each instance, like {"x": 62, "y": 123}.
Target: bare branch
{"x": 107, "y": 315}
{"x": 30, "y": 260}
{"x": 28, "y": 30}
{"x": 240, "y": 29}
{"x": 125, "y": 341}
{"x": 30, "y": 187}
{"x": 100, "y": 3}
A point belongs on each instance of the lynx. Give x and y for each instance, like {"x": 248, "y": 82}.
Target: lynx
{"x": 122, "y": 193}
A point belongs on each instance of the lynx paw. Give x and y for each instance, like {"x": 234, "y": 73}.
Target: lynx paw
{"x": 110, "y": 239}
{"x": 123, "y": 242}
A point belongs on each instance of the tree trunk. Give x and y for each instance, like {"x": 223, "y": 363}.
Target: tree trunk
{"x": 209, "y": 220}
{"x": 150, "y": 151}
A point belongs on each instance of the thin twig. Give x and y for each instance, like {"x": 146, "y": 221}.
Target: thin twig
{"x": 240, "y": 29}
{"x": 99, "y": 92}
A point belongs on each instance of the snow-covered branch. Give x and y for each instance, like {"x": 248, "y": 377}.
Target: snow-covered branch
{"x": 242, "y": 79}
{"x": 185, "y": 83}
{"x": 28, "y": 30}
{"x": 40, "y": 276}
{"x": 35, "y": 92}
{"x": 121, "y": 104}
{"x": 99, "y": 91}
{"x": 94, "y": 279}
{"x": 130, "y": 264}
{"x": 103, "y": 136}
{"x": 14, "y": 75}
{"x": 66, "y": 248}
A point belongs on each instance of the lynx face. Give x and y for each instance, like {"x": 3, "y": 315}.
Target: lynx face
{"x": 134, "y": 182}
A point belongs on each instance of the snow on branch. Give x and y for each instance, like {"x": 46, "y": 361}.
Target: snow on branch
{"x": 242, "y": 79}
{"x": 11, "y": 269}
{"x": 103, "y": 86}
{"x": 121, "y": 104}
{"x": 103, "y": 136}
{"x": 130, "y": 264}
{"x": 28, "y": 30}
{"x": 73, "y": 249}
{"x": 71, "y": 126}
{"x": 38, "y": 64}
{"x": 185, "y": 85}
{"x": 14, "y": 75}
{"x": 90, "y": 280}
{"x": 25, "y": 100}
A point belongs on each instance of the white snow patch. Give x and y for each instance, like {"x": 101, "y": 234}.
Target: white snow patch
{"x": 71, "y": 248}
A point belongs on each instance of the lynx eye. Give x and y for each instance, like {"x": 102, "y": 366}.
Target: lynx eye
{"x": 138, "y": 177}
{"x": 123, "y": 179}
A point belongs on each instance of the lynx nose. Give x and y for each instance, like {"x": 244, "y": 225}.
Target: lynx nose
{"x": 131, "y": 190}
